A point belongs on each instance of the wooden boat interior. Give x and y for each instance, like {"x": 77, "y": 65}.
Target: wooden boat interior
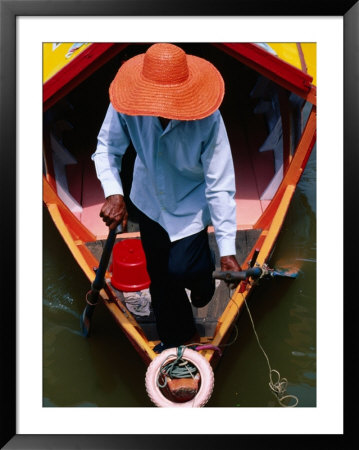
{"x": 251, "y": 112}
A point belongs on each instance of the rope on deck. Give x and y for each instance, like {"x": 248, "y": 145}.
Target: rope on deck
{"x": 178, "y": 368}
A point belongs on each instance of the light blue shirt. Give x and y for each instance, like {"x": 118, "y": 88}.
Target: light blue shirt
{"x": 183, "y": 176}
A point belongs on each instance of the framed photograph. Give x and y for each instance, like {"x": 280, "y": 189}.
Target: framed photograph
{"x": 51, "y": 375}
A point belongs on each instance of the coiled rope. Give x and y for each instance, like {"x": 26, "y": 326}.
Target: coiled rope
{"x": 278, "y": 387}
{"x": 178, "y": 368}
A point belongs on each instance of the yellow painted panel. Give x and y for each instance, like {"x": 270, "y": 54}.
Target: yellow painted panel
{"x": 288, "y": 52}
{"x": 57, "y": 55}
{"x": 310, "y": 55}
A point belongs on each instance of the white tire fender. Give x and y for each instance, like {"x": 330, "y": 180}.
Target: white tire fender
{"x": 204, "y": 369}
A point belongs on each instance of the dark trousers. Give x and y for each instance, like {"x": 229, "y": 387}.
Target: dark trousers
{"x": 172, "y": 267}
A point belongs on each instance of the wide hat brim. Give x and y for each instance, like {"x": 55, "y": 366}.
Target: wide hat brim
{"x": 195, "y": 98}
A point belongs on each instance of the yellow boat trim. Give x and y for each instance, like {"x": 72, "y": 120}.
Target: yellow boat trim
{"x": 238, "y": 298}
{"x": 276, "y": 225}
{"x": 64, "y": 232}
{"x": 128, "y": 324}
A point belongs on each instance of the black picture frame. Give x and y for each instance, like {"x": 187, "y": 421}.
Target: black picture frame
{"x": 9, "y": 10}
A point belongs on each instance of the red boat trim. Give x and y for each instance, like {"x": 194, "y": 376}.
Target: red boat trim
{"x": 270, "y": 66}
{"x": 78, "y": 70}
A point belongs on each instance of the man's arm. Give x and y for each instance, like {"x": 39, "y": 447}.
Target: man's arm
{"x": 113, "y": 141}
{"x": 220, "y": 189}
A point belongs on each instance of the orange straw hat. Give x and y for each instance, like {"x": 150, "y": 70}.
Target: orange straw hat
{"x": 167, "y": 82}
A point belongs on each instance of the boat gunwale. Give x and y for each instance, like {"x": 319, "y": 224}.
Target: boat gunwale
{"x": 270, "y": 222}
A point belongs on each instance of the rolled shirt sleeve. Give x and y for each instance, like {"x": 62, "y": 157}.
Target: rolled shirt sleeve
{"x": 112, "y": 142}
{"x": 220, "y": 187}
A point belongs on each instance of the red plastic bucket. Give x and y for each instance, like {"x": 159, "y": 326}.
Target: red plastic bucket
{"x": 129, "y": 271}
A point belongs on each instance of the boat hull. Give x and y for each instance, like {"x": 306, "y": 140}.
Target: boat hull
{"x": 267, "y": 225}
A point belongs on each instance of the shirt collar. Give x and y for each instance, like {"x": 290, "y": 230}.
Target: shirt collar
{"x": 171, "y": 124}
